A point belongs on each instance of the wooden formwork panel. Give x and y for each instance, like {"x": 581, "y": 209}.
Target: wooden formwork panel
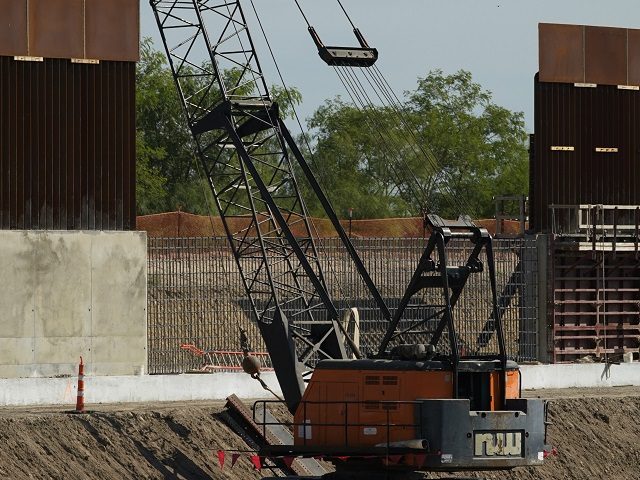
{"x": 596, "y": 305}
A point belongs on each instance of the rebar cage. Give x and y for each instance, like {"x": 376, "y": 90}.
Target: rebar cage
{"x": 196, "y": 295}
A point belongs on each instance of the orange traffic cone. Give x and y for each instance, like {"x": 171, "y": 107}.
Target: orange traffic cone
{"x": 80, "y": 397}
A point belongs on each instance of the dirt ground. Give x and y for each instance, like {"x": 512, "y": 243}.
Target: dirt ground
{"x": 597, "y": 434}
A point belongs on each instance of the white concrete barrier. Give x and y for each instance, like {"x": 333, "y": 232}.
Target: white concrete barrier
{"x": 585, "y": 375}
{"x": 218, "y": 386}
{"x": 142, "y": 388}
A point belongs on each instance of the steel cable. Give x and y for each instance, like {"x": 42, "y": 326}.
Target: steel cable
{"x": 398, "y": 110}
{"x": 372, "y": 108}
{"x": 306, "y": 140}
{"x": 423, "y": 196}
{"x": 359, "y": 103}
{"x": 397, "y": 105}
{"x": 346, "y": 14}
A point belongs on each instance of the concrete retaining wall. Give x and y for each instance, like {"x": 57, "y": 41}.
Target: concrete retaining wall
{"x": 72, "y": 293}
{"x": 218, "y": 386}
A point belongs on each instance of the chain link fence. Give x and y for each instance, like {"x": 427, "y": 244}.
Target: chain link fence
{"x": 196, "y": 296}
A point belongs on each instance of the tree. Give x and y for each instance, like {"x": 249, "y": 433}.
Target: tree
{"x": 379, "y": 163}
{"x": 168, "y": 173}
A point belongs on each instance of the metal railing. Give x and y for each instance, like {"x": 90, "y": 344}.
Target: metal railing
{"x": 514, "y": 208}
{"x": 598, "y": 227}
{"x": 195, "y": 295}
{"x": 305, "y": 429}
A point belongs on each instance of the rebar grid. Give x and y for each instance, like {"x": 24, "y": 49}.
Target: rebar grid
{"x": 196, "y": 296}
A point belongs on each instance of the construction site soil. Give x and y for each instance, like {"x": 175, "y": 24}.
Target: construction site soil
{"x": 596, "y": 432}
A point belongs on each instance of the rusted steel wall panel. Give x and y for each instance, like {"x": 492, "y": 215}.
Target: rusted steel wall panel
{"x": 67, "y": 145}
{"x": 112, "y": 29}
{"x": 634, "y": 57}
{"x": 56, "y": 28}
{"x": 560, "y": 53}
{"x": 588, "y": 54}
{"x": 584, "y": 119}
{"x": 93, "y": 29}
{"x": 13, "y": 27}
{"x": 605, "y": 55}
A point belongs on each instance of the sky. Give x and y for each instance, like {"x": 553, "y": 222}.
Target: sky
{"x": 496, "y": 40}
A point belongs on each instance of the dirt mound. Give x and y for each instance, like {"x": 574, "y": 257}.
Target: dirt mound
{"x": 154, "y": 443}
{"x": 597, "y": 437}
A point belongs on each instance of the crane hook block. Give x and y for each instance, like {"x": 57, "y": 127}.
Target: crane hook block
{"x": 363, "y": 56}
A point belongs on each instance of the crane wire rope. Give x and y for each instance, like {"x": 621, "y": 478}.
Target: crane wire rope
{"x": 412, "y": 142}
{"x": 384, "y": 90}
{"x": 309, "y": 25}
{"x": 396, "y": 144}
{"x": 361, "y": 104}
{"x": 346, "y": 14}
{"x": 299, "y": 8}
{"x": 299, "y": 123}
{"x": 418, "y": 146}
{"x": 304, "y": 135}
{"x": 396, "y": 104}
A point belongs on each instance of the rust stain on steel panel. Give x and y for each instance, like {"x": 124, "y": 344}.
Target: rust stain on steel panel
{"x": 606, "y": 55}
{"x": 112, "y": 29}
{"x": 561, "y": 53}
{"x": 634, "y": 57}
{"x": 13, "y": 27}
{"x": 66, "y": 131}
{"x": 56, "y": 28}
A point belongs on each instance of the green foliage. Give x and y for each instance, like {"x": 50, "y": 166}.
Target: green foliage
{"x": 369, "y": 160}
{"x": 150, "y": 183}
{"x": 166, "y": 168}
{"x": 366, "y": 160}
{"x": 169, "y": 177}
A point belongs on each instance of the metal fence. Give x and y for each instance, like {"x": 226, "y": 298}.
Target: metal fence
{"x": 196, "y": 296}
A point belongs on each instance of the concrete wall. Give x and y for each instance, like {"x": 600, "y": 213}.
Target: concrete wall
{"x": 218, "y": 386}
{"x": 129, "y": 389}
{"x": 67, "y": 294}
{"x": 573, "y": 375}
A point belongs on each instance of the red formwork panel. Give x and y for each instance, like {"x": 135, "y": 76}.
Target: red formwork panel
{"x": 596, "y": 304}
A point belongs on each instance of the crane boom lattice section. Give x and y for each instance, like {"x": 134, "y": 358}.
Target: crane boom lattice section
{"x": 242, "y": 151}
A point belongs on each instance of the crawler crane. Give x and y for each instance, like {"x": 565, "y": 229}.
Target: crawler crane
{"x": 441, "y": 404}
